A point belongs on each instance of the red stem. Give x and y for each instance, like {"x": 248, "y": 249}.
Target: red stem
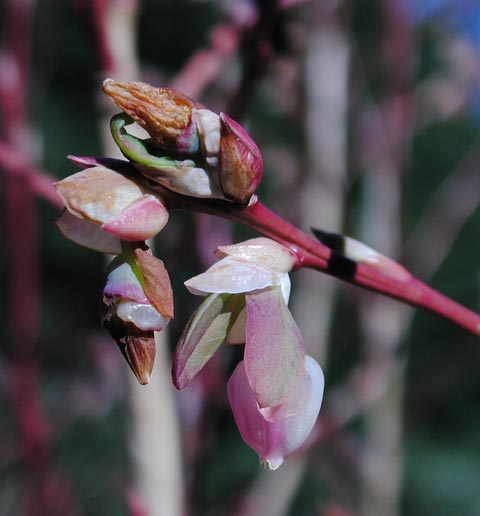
{"x": 315, "y": 255}
{"x": 310, "y": 253}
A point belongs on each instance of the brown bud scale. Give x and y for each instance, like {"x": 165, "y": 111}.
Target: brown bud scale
{"x": 164, "y": 113}
{"x": 137, "y": 346}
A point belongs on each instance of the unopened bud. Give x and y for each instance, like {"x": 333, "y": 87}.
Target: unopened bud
{"x": 137, "y": 301}
{"x": 240, "y": 162}
{"x": 137, "y": 346}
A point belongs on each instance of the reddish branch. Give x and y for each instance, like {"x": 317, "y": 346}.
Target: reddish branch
{"x": 309, "y": 252}
{"x": 44, "y": 492}
{"x": 40, "y": 183}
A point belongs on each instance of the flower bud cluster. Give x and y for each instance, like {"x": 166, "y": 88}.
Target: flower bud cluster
{"x": 192, "y": 150}
{"x": 276, "y": 391}
{"x": 109, "y": 212}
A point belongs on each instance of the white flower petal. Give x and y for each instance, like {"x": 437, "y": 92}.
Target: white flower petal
{"x": 232, "y": 276}
{"x": 143, "y": 316}
{"x": 285, "y": 286}
{"x": 262, "y": 251}
{"x": 122, "y": 283}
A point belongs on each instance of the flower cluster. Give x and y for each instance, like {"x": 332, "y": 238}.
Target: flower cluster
{"x": 276, "y": 391}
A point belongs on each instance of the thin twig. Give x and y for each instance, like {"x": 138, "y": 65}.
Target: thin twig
{"x": 13, "y": 162}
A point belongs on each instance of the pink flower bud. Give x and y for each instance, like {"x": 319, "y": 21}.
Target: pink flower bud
{"x": 137, "y": 300}
{"x": 126, "y": 300}
{"x": 102, "y": 197}
{"x": 240, "y": 162}
{"x": 275, "y": 440}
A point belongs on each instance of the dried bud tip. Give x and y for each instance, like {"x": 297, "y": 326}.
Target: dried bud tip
{"x": 136, "y": 345}
{"x": 139, "y": 352}
{"x": 162, "y": 112}
{"x": 240, "y": 162}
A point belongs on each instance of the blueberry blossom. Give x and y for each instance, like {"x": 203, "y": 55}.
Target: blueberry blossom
{"x": 247, "y": 292}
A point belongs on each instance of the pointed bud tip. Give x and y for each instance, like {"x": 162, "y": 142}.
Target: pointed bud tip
{"x": 144, "y": 379}
{"x": 139, "y": 353}
{"x": 272, "y": 463}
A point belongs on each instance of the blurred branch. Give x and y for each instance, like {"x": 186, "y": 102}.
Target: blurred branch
{"x": 207, "y": 63}
{"x": 45, "y": 492}
{"x": 155, "y": 443}
{"x": 280, "y": 487}
{"x": 381, "y": 372}
{"x": 14, "y": 163}
{"x": 326, "y": 70}
{"x": 257, "y": 49}
{"x": 443, "y": 218}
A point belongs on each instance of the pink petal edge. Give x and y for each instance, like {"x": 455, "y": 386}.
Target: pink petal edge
{"x": 275, "y": 440}
{"x": 140, "y": 220}
{"x": 87, "y": 234}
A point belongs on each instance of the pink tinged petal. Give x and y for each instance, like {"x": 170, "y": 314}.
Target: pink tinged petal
{"x": 123, "y": 283}
{"x": 87, "y": 234}
{"x": 275, "y": 440}
{"x": 232, "y": 276}
{"x": 262, "y": 251}
{"x": 141, "y": 220}
{"x": 293, "y": 404}
{"x": 274, "y": 350}
{"x": 143, "y": 316}
{"x": 202, "y": 336}
{"x": 97, "y": 194}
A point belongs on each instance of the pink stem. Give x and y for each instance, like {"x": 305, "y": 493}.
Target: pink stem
{"x": 310, "y": 253}
{"x": 315, "y": 255}
{"x": 40, "y": 183}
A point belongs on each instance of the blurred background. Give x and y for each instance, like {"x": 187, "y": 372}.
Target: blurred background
{"x": 368, "y": 116}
